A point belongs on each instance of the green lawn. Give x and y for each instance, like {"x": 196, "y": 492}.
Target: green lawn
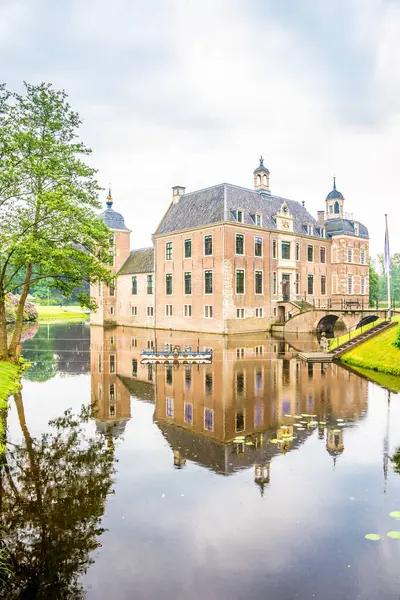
{"x": 52, "y": 314}
{"x": 377, "y": 354}
{"x": 9, "y": 378}
{"x": 335, "y": 342}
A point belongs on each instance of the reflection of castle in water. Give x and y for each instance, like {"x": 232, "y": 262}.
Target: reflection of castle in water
{"x": 223, "y": 416}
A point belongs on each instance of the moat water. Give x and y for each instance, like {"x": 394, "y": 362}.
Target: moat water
{"x": 255, "y": 477}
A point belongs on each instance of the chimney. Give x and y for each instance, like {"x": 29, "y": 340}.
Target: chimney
{"x": 321, "y": 217}
{"x": 177, "y": 192}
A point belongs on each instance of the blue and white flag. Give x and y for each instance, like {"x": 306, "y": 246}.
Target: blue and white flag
{"x": 387, "y": 251}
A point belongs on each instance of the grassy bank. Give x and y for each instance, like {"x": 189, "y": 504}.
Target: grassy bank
{"x": 335, "y": 342}
{"x": 390, "y": 382}
{"x": 377, "y": 354}
{"x": 9, "y": 380}
{"x": 59, "y": 314}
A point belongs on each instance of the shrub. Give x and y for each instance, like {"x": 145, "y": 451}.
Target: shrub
{"x": 396, "y": 342}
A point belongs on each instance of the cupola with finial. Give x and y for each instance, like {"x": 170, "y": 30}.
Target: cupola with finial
{"x": 109, "y": 202}
{"x": 261, "y": 178}
{"x": 334, "y": 203}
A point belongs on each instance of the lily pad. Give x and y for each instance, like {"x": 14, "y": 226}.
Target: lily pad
{"x": 340, "y": 420}
{"x": 322, "y": 422}
{"x": 374, "y": 537}
{"x": 395, "y": 514}
{"x": 337, "y": 430}
{"x": 313, "y": 423}
{"x": 249, "y": 443}
{"x": 300, "y": 428}
{"x": 274, "y": 441}
{"x": 395, "y": 535}
{"x": 305, "y": 415}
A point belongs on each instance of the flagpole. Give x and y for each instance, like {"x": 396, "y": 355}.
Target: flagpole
{"x": 387, "y": 267}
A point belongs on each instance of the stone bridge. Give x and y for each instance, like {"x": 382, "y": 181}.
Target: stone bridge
{"x": 315, "y": 320}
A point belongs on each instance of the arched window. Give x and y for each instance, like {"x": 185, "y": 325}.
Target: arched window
{"x": 337, "y": 208}
{"x": 265, "y": 181}
{"x": 258, "y": 179}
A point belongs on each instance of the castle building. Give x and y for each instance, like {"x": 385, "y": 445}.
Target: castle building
{"x": 228, "y": 259}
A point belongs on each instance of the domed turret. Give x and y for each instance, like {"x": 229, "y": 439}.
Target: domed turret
{"x": 334, "y": 203}
{"x": 261, "y": 177}
{"x": 111, "y": 218}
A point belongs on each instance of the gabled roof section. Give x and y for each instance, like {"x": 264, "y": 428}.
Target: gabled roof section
{"x": 217, "y": 204}
{"x": 138, "y": 261}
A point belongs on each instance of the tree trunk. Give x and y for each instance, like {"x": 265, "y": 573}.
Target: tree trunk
{"x": 3, "y": 327}
{"x": 14, "y": 348}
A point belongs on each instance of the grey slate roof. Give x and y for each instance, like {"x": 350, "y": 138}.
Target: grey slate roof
{"x": 138, "y": 261}
{"x": 113, "y": 219}
{"x": 217, "y": 203}
{"x": 337, "y": 226}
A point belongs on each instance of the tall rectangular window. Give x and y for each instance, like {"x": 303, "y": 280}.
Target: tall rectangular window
{"x": 273, "y": 248}
{"x": 239, "y": 216}
{"x": 208, "y": 419}
{"x": 258, "y": 248}
{"x": 111, "y": 289}
{"x": 168, "y": 310}
{"x": 239, "y": 243}
{"x": 208, "y": 282}
{"x": 297, "y": 284}
{"x": 150, "y": 311}
{"x": 188, "y": 283}
{"x": 310, "y": 253}
{"x": 240, "y": 420}
{"x": 112, "y": 363}
{"x": 134, "y": 367}
{"x": 150, "y": 372}
{"x": 134, "y": 311}
{"x": 362, "y": 286}
{"x": 168, "y": 251}
{"x": 323, "y": 285}
{"x": 274, "y": 286}
{"x": 169, "y": 407}
{"x": 189, "y": 412}
{"x": 258, "y": 279}
{"x": 286, "y": 250}
{"x": 322, "y": 253}
{"x": 134, "y": 284}
{"x": 149, "y": 284}
{"x": 168, "y": 374}
{"x": 350, "y": 284}
{"x": 208, "y": 245}
{"x": 188, "y": 377}
{"x": 297, "y": 251}
{"x": 188, "y": 248}
{"x": 310, "y": 284}
{"x": 208, "y": 383}
{"x": 240, "y": 281}
{"x": 362, "y": 257}
{"x": 168, "y": 284}
{"x": 187, "y": 309}
{"x": 349, "y": 255}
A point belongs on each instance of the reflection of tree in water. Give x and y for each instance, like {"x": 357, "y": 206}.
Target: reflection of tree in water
{"x": 396, "y": 461}
{"x": 63, "y": 348}
{"x": 53, "y": 493}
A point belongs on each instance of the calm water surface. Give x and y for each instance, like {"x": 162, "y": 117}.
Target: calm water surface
{"x": 153, "y": 496}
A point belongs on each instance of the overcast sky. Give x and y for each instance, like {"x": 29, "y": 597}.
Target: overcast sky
{"x": 191, "y": 92}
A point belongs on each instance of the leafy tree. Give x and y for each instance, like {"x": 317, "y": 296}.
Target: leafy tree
{"x": 374, "y": 290}
{"x": 396, "y": 461}
{"x": 49, "y": 230}
{"x": 53, "y": 494}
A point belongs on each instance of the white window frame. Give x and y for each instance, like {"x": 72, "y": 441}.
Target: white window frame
{"x": 150, "y": 311}
{"x": 187, "y": 310}
{"x": 262, "y": 283}
{"x": 322, "y": 248}
{"x": 133, "y": 310}
{"x": 212, "y": 281}
{"x": 362, "y": 256}
{"x": 275, "y": 249}
{"x": 240, "y": 313}
{"x": 212, "y": 244}
{"x": 184, "y": 283}
{"x": 244, "y": 282}
{"x": 259, "y": 312}
{"x": 172, "y": 251}
{"x": 297, "y": 252}
{"x": 184, "y": 248}
{"x": 244, "y": 243}
{"x": 350, "y": 285}
{"x": 313, "y": 253}
{"x": 208, "y": 311}
{"x": 257, "y": 237}
{"x": 350, "y": 255}
{"x": 274, "y": 283}
{"x": 169, "y": 407}
{"x": 112, "y": 310}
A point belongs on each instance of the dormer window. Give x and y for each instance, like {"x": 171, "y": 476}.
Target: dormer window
{"x": 309, "y": 229}
{"x": 323, "y": 232}
{"x": 356, "y": 229}
{"x": 239, "y": 216}
{"x": 257, "y": 219}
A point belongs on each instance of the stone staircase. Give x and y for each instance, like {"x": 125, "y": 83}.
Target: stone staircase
{"x": 360, "y": 339}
